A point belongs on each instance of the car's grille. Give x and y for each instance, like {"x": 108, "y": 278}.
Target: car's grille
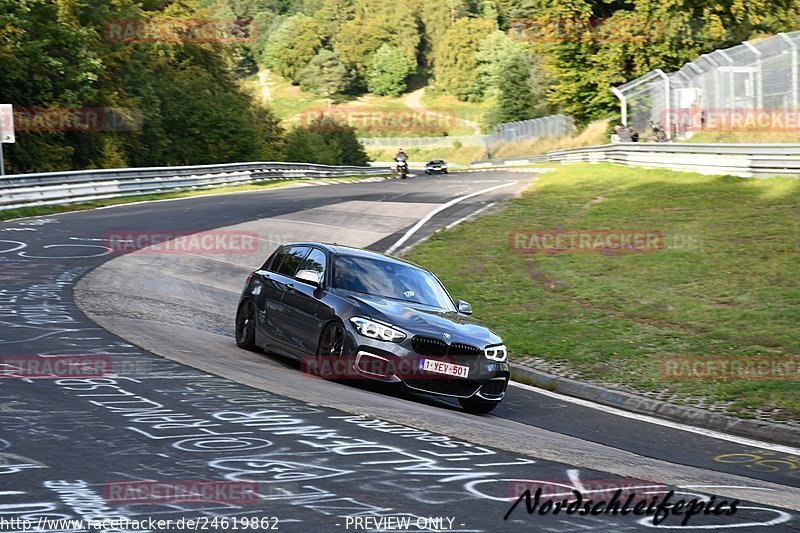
{"x": 463, "y": 349}
{"x": 462, "y": 354}
{"x": 494, "y": 387}
{"x": 452, "y": 387}
{"x": 428, "y": 346}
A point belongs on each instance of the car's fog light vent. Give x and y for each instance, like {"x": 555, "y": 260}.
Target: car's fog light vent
{"x": 374, "y": 364}
{"x": 494, "y": 387}
{"x": 428, "y": 346}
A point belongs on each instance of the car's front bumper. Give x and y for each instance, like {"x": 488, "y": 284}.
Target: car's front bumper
{"x": 397, "y": 363}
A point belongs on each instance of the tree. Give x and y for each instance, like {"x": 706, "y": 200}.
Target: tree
{"x": 292, "y": 46}
{"x": 490, "y": 11}
{"x": 47, "y": 62}
{"x": 186, "y": 104}
{"x": 515, "y": 97}
{"x": 436, "y": 18}
{"x": 376, "y": 23}
{"x": 332, "y": 15}
{"x": 493, "y": 52}
{"x": 325, "y": 75}
{"x": 389, "y": 70}
{"x": 456, "y": 66}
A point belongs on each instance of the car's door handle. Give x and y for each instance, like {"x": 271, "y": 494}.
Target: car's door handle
{"x": 289, "y": 287}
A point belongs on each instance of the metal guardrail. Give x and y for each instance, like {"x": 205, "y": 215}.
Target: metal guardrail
{"x": 743, "y": 160}
{"x": 56, "y": 188}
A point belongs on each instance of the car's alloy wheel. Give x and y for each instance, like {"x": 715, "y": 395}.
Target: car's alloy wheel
{"x": 477, "y": 405}
{"x": 330, "y": 352}
{"x": 333, "y": 341}
{"x": 246, "y": 326}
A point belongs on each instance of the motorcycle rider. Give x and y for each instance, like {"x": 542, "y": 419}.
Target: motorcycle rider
{"x": 402, "y": 161}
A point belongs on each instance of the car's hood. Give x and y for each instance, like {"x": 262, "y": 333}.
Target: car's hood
{"x": 422, "y": 320}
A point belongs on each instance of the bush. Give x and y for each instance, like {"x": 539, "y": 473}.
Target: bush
{"x": 325, "y": 141}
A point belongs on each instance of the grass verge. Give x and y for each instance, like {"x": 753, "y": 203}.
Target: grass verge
{"x": 726, "y": 285}
{"x": 754, "y": 137}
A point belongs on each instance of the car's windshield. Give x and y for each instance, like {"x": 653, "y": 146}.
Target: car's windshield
{"x": 388, "y": 279}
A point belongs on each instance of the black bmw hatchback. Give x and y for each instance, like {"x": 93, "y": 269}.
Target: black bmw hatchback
{"x": 347, "y": 313}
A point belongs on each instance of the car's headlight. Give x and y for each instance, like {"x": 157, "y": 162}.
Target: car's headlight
{"x": 375, "y": 330}
{"x": 496, "y": 353}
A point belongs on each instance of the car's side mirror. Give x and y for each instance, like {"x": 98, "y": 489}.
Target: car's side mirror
{"x": 464, "y": 308}
{"x": 310, "y": 276}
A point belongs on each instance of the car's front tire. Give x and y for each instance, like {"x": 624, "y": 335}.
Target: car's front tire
{"x": 246, "y": 326}
{"x": 331, "y": 360}
{"x": 477, "y": 406}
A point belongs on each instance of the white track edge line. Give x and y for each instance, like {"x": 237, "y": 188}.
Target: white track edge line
{"x": 661, "y": 422}
{"x": 438, "y": 210}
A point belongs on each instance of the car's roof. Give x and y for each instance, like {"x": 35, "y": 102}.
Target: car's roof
{"x": 338, "y": 249}
{"x": 436, "y": 161}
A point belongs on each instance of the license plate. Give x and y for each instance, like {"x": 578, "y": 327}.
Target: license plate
{"x": 440, "y": 367}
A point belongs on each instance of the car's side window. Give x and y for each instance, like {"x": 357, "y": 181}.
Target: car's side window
{"x": 274, "y": 261}
{"x": 315, "y": 261}
{"x": 291, "y": 261}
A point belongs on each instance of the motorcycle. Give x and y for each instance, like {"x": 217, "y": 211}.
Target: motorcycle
{"x": 402, "y": 169}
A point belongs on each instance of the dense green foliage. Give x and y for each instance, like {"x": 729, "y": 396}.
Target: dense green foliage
{"x": 293, "y": 45}
{"x": 375, "y": 23}
{"x": 515, "y": 100}
{"x": 181, "y": 99}
{"x": 456, "y": 58}
{"x": 326, "y": 142}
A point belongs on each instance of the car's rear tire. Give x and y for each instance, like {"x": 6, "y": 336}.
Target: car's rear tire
{"x": 477, "y": 406}
{"x": 246, "y": 326}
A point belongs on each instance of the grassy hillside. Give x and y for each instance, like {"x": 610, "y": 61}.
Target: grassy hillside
{"x": 414, "y": 114}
